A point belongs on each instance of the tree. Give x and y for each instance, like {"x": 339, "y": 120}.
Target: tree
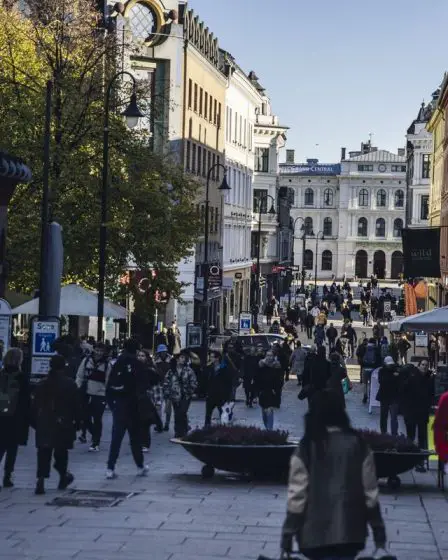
{"x": 152, "y": 216}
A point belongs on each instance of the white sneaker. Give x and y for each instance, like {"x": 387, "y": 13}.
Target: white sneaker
{"x": 94, "y": 449}
{"x": 110, "y": 475}
{"x": 145, "y": 449}
{"x": 143, "y": 471}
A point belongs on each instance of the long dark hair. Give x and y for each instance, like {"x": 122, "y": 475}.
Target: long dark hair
{"x": 326, "y": 409}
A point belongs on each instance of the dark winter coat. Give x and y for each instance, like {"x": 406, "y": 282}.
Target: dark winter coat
{"x": 269, "y": 384}
{"x": 56, "y": 412}
{"x": 127, "y": 379}
{"x": 14, "y": 429}
{"x": 332, "y": 333}
{"x": 337, "y": 374}
{"x": 316, "y": 373}
{"x": 390, "y": 385}
{"x": 416, "y": 394}
{"x": 219, "y": 384}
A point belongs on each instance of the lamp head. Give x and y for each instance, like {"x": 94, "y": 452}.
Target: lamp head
{"x": 272, "y": 211}
{"x": 132, "y": 113}
{"x": 224, "y": 186}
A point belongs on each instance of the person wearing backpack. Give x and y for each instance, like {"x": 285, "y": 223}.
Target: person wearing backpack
{"x": 370, "y": 361}
{"x": 14, "y": 411}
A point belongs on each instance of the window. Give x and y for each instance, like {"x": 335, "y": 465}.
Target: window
{"x": 362, "y": 227}
{"x": 210, "y": 109}
{"x": 236, "y": 128}
{"x": 308, "y": 225}
{"x": 398, "y": 168}
{"x": 262, "y": 159}
{"x": 193, "y": 159}
{"x": 199, "y": 168}
{"x": 363, "y": 197}
{"x": 328, "y": 197}
{"x": 201, "y": 100}
{"x": 380, "y": 228}
{"x": 260, "y": 197}
{"x": 195, "y": 104}
{"x": 230, "y": 125}
{"x": 381, "y": 198}
{"x": 215, "y": 111}
{"x": 219, "y": 115}
{"x": 188, "y": 156}
{"x": 399, "y": 199}
{"x": 205, "y": 104}
{"x": 190, "y": 93}
{"x": 309, "y": 197}
{"x": 328, "y": 226}
{"x": 142, "y": 20}
{"x": 327, "y": 260}
{"x": 308, "y": 260}
{"x": 424, "y": 207}
{"x": 364, "y": 168}
{"x": 204, "y": 162}
{"x": 216, "y": 220}
{"x": 209, "y": 160}
{"x": 398, "y": 226}
{"x": 426, "y": 166}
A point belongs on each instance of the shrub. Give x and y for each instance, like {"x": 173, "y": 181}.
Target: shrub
{"x": 387, "y": 442}
{"x": 237, "y": 435}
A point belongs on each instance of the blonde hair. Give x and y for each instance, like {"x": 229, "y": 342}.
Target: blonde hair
{"x": 13, "y": 359}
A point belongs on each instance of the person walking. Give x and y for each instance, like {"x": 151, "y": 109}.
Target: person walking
{"x": 297, "y": 362}
{"x": 316, "y": 374}
{"x": 338, "y": 376}
{"x": 352, "y": 338}
{"x": 332, "y": 489}
{"x": 371, "y": 359}
{"x": 250, "y": 365}
{"x": 403, "y": 347}
{"x": 174, "y": 339}
{"x": 91, "y": 380}
{"x": 162, "y": 362}
{"x": 14, "y": 411}
{"x": 269, "y": 383}
{"x": 179, "y": 386}
{"x": 56, "y": 414}
{"x": 126, "y": 385}
{"x": 220, "y": 386}
{"x": 389, "y": 395}
{"x": 309, "y": 326}
{"x": 147, "y": 409}
{"x": 332, "y": 334}
{"x": 416, "y": 399}
{"x": 319, "y": 335}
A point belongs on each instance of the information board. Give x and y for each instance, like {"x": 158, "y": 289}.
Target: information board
{"x": 245, "y": 323}
{"x": 43, "y": 335}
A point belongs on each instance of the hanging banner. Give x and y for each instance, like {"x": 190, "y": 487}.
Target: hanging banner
{"x": 421, "y": 251}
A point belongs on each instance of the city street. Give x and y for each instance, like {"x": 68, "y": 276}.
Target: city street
{"x": 175, "y": 515}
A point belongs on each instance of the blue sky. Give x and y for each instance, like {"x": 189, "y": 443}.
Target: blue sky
{"x": 337, "y": 71}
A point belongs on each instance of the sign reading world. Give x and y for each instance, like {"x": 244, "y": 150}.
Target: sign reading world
{"x": 313, "y": 169}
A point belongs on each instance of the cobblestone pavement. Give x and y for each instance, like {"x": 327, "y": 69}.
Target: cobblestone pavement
{"x": 175, "y": 515}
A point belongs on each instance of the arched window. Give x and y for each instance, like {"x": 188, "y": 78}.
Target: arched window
{"x": 363, "y": 197}
{"x": 380, "y": 228}
{"x": 308, "y": 226}
{"x": 309, "y": 197}
{"x": 362, "y": 227}
{"x": 328, "y": 226}
{"x": 328, "y": 197}
{"x": 327, "y": 260}
{"x": 398, "y": 226}
{"x": 381, "y": 198}
{"x": 399, "y": 199}
{"x": 308, "y": 261}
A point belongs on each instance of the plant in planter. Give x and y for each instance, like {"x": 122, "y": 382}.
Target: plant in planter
{"x": 245, "y": 450}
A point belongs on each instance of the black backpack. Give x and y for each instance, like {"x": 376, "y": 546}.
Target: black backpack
{"x": 9, "y": 392}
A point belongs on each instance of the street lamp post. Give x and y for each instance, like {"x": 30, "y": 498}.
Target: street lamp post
{"x": 271, "y": 212}
{"x": 303, "y": 238}
{"x": 319, "y": 233}
{"x": 132, "y": 114}
{"x": 224, "y": 187}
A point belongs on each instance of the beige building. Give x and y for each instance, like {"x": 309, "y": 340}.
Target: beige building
{"x": 436, "y": 126}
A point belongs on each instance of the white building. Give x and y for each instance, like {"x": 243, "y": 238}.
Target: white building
{"x": 358, "y": 208}
{"x": 315, "y": 210}
{"x": 269, "y": 139}
{"x": 419, "y": 152}
{"x": 242, "y": 101}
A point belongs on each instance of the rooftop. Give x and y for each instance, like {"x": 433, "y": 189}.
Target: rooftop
{"x": 379, "y": 156}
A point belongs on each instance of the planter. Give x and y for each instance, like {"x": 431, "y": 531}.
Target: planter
{"x": 258, "y": 461}
{"x": 389, "y": 464}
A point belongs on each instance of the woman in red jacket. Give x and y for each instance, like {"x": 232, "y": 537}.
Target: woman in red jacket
{"x": 441, "y": 428}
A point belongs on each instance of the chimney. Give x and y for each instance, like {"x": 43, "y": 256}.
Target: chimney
{"x": 290, "y": 156}
{"x": 343, "y": 152}
{"x": 401, "y": 152}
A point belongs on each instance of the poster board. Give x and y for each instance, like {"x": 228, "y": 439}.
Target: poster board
{"x": 374, "y": 388}
{"x": 245, "y": 323}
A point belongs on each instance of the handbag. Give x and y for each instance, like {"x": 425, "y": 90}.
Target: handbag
{"x": 346, "y": 385}
{"x": 305, "y": 392}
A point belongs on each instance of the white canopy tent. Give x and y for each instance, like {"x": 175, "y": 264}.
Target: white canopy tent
{"x": 76, "y": 300}
{"x": 435, "y": 320}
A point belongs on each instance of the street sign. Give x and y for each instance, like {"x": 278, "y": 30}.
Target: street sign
{"x": 245, "y": 323}
{"x": 421, "y": 340}
{"x": 238, "y": 275}
{"x": 43, "y": 335}
{"x": 387, "y": 306}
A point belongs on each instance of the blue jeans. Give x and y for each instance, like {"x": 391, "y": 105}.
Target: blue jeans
{"x": 268, "y": 418}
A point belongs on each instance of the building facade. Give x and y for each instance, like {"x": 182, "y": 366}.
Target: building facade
{"x": 352, "y": 214}
{"x": 242, "y": 101}
{"x": 269, "y": 140}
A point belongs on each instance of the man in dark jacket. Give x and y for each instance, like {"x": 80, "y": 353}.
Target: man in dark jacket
{"x": 56, "y": 416}
{"x": 309, "y": 326}
{"x": 389, "y": 395}
{"x": 352, "y": 338}
{"x": 416, "y": 399}
{"x": 220, "y": 386}
{"x": 332, "y": 334}
{"x": 126, "y": 383}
